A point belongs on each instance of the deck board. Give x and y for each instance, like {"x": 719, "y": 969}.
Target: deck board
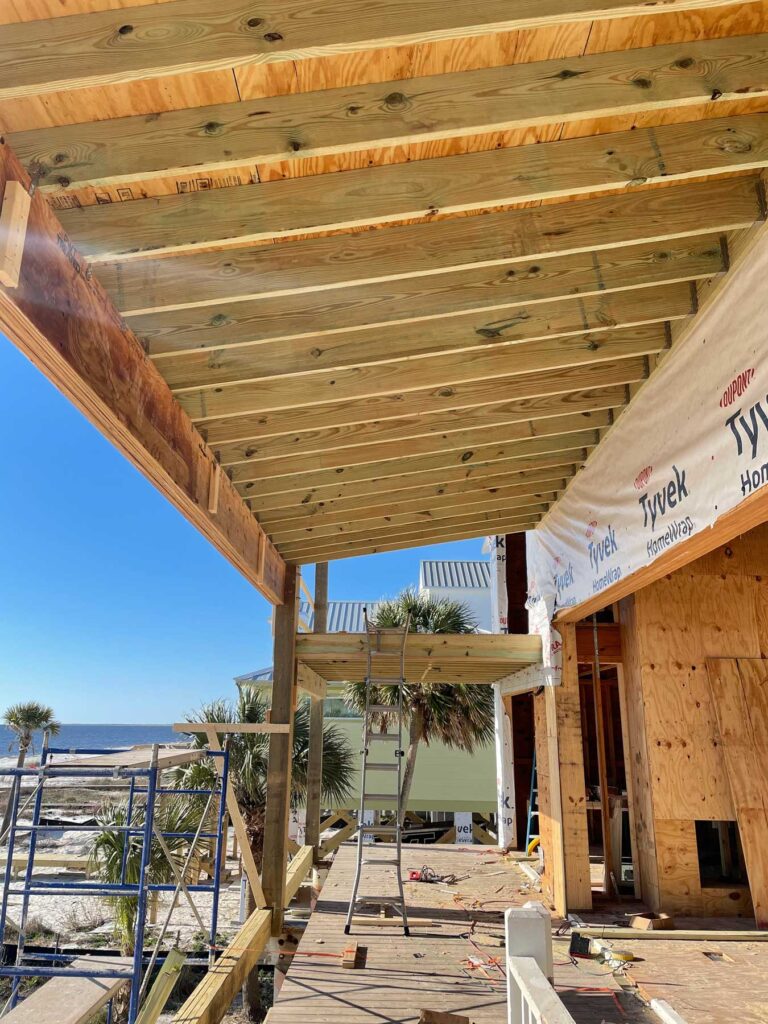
{"x": 430, "y": 969}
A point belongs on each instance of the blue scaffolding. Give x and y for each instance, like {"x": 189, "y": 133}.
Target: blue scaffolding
{"x": 142, "y": 768}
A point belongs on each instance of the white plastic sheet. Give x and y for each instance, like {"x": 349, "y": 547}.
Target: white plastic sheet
{"x": 691, "y": 446}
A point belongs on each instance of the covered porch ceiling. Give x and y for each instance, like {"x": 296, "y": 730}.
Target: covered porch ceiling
{"x": 401, "y": 265}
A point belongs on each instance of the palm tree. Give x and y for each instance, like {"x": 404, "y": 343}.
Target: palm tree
{"x": 108, "y": 855}
{"x": 24, "y": 720}
{"x": 461, "y": 716}
{"x": 248, "y": 757}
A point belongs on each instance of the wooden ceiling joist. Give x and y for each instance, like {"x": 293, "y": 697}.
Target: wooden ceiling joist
{"x": 481, "y": 454}
{"x": 181, "y": 340}
{"x": 370, "y": 491}
{"x": 456, "y": 105}
{"x": 442, "y": 428}
{"x": 409, "y": 414}
{"x": 434, "y": 513}
{"x": 429, "y": 372}
{"x": 420, "y": 250}
{"x": 464, "y": 442}
{"x": 458, "y": 528}
{"x": 447, "y": 185}
{"x": 333, "y": 353}
{"x": 64, "y": 322}
{"x": 375, "y": 506}
{"x": 108, "y": 47}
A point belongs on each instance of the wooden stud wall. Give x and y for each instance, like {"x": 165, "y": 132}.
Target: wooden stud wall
{"x": 714, "y": 608}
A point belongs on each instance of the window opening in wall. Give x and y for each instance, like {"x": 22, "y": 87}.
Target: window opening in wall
{"x": 721, "y": 859}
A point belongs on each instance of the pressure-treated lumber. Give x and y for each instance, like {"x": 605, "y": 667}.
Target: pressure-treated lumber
{"x": 459, "y": 528}
{"x": 499, "y": 359}
{"x": 423, "y": 250}
{"x": 147, "y": 42}
{"x": 410, "y": 414}
{"x": 430, "y": 509}
{"x": 14, "y": 213}
{"x": 280, "y": 751}
{"x": 571, "y": 457}
{"x": 441, "y": 430}
{"x": 310, "y": 683}
{"x": 578, "y": 434}
{"x": 71, "y": 1000}
{"x": 713, "y": 935}
{"x": 76, "y": 339}
{"x": 464, "y": 103}
{"x": 382, "y": 343}
{"x": 297, "y": 871}
{"x": 379, "y": 195}
{"x": 316, "y": 721}
{"x": 176, "y": 338}
{"x": 469, "y": 444}
{"x": 431, "y": 514}
{"x": 213, "y": 996}
{"x": 162, "y": 987}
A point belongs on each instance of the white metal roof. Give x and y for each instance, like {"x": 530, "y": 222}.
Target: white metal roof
{"x": 452, "y": 575}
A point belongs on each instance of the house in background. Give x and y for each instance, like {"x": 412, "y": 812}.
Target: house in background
{"x": 447, "y": 782}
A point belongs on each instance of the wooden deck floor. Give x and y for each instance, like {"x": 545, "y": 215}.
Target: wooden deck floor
{"x": 431, "y": 969}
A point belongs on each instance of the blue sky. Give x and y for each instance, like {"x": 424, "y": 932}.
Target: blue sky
{"x": 112, "y": 607}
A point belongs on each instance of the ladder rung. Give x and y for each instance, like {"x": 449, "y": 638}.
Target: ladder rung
{"x": 387, "y": 737}
{"x": 384, "y": 829}
{"x": 380, "y": 796}
{"x": 379, "y": 860}
{"x": 378, "y": 766}
{"x": 376, "y": 709}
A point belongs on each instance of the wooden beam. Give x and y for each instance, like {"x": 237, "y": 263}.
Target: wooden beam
{"x": 72, "y": 1000}
{"x": 351, "y": 461}
{"x": 396, "y": 113}
{"x": 395, "y": 416}
{"x": 210, "y": 1001}
{"x": 608, "y": 643}
{"x": 465, "y": 244}
{"x": 398, "y": 502}
{"x": 316, "y": 723}
{"x": 280, "y": 752}
{"x": 430, "y": 514}
{"x": 385, "y": 343}
{"x": 64, "y": 322}
{"x": 488, "y": 361}
{"x": 14, "y": 214}
{"x": 571, "y": 458}
{"x": 398, "y": 192}
{"x": 450, "y": 425}
{"x": 162, "y": 987}
{"x": 310, "y": 682}
{"x": 602, "y": 770}
{"x": 579, "y": 435}
{"x": 108, "y": 47}
{"x": 459, "y": 528}
{"x": 297, "y": 871}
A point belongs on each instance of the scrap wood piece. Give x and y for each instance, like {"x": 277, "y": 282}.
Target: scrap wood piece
{"x": 72, "y": 1000}
{"x": 354, "y": 956}
{"x": 162, "y": 987}
{"x": 297, "y": 872}
{"x": 14, "y": 214}
{"x": 213, "y": 996}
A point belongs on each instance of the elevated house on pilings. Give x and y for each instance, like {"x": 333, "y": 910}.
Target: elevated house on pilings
{"x": 305, "y": 268}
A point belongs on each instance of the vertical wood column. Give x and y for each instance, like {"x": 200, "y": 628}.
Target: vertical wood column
{"x": 280, "y": 751}
{"x": 315, "y": 766}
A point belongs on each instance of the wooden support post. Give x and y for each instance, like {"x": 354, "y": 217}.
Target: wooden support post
{"x": 602, "y": 769}
{"x": 315, "y": 766}
{"x": 274, "y": 864}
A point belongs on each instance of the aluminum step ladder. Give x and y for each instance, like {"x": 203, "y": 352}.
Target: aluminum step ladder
{"x": 385, "y": 653}
{"x": 533, "y": 807}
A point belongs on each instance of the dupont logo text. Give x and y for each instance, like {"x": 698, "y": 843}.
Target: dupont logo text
{"x": 737, "y": 387}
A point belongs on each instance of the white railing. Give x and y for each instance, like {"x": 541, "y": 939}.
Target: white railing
{"x": 531, "y": 999}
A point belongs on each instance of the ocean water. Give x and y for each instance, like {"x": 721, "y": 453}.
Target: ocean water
{"x": 99, "y": 736}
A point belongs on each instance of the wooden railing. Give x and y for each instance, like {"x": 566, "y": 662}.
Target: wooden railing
{"x": 531, "y": 999}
